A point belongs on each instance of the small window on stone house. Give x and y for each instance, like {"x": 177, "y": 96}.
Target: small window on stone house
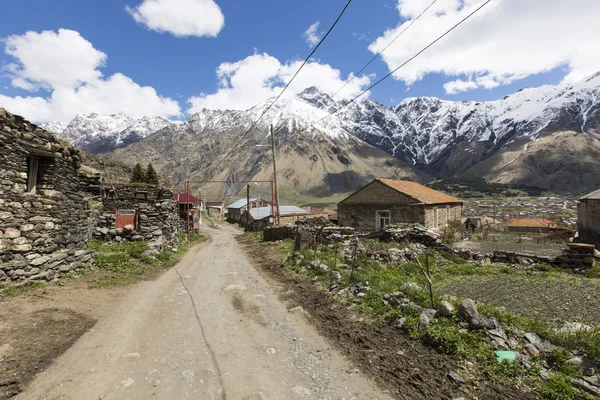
{"x": 33, "y": 164}
{"x": 383, "y": 219}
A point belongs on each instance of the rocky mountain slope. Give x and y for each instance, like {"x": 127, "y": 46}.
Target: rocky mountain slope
{"x": 521, "y": 138}
{"x": 101, "y": 134}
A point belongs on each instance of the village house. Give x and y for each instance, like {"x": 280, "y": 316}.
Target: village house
{"x": 529, "y": 225}
{"x": 386, "y": 202}
{"x": 51, "y": 206}
{"x": 45, "y": 218}
{"x": 588, "y": 219}
{"x": 262, "y": 217}
{"x": 183, "y": 199}
{"x": 236, "y": 209}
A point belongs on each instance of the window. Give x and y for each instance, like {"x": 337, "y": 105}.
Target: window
{"x": 33, "y": 164}
{"x": 382, "y": 219}
{"x": 447, "y": 215}
{"x": 436, "y": 218}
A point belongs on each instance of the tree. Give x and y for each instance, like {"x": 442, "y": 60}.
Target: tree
{"x": 151, "y": 175}
{"x": 138, "y": 175}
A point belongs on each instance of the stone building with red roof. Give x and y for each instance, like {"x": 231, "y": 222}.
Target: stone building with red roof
{"x": 386, "y": 202}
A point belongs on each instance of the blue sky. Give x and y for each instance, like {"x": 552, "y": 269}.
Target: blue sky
{"x": 183, "y": 68}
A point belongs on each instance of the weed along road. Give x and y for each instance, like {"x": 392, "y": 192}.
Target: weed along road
{"x": 211, "y": 328}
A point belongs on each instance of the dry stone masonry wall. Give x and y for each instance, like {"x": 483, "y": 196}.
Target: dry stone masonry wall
{"x": 156, "y": 215}
{"x": 44, "y": 220}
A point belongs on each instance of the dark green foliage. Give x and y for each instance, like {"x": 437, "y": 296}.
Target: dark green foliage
{"x": 472, "y": 186}
{"x": 138, "y": 175}
{"x": 151, "y": 175}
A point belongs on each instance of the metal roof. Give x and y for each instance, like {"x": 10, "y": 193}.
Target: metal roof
{"x": 263, "y": 212}
{"x": 241, "y": 203}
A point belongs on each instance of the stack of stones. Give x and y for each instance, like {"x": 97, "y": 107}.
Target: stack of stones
{"x": 44, "y": 226}
{"x": 579, "y": 256}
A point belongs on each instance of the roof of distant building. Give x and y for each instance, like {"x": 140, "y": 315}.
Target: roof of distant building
{"x": 241, "y": 203}
{"x": 530, "y": 223}
{"x": 185, "y": 198}
{"x": 319, "y": 210}
{"x": 263, "y": 212}
{"x": 594, "y": 195}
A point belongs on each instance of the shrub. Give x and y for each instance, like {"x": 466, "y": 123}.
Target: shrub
{"x": 450, "y": 233}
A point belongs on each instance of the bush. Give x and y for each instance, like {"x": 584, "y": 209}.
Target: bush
{"x": 450, "y": 233}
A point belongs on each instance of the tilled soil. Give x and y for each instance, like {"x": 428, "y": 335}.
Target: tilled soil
{"x": 405, "y": 367}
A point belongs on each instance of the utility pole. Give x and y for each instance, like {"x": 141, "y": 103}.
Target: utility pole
{"x": 248, "y": 207}
{"x": 278, "y": 213}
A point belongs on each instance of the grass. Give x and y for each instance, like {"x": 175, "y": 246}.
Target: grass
{"x": 446, "y": 335}
{"x": 124, "y": 263}
{"x": 11, "y": 291}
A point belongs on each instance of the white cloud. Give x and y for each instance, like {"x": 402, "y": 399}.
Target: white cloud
{"x": 180, "y": 17}
{"x": 311, "y": 35}
{"x": 256, "y": 78}
{"x": 51, "y": 59}
{"x": 66, "y": 65}
{"x": 507, "y": 40}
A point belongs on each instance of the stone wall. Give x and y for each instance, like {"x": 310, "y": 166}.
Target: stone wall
{"x": 45, "y": 219}
{"x": 445, "y": 214}
{"x": 579, "y": 256}
{"x": 157, "y": 215}
{"x": 364, "y": 217}
{"x": 588, "y": 221}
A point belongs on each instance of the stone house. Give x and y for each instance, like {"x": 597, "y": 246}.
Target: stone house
{"x": 45, "y": 218}
{"x": 51, "y": 206}
{"x": 386, "y": 202}
{"x": 262, "y": 217}
{"x": 588, "y": 219}
{"x": 236, "y": 209}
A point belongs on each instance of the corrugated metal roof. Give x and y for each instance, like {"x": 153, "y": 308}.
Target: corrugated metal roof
{"x": 422, "y": 193}
{"x": 241, "y": 203}
{"x": 594, "y": 195}
{"x": 263, "y": 212}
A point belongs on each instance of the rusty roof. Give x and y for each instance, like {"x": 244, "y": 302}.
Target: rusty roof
{"x": 417, "y": 191}
{"x": 530, "y": 223}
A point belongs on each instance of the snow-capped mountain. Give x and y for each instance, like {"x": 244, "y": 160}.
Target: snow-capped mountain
{"x": 521, "y": 138}
{"x": 105, "y": 133}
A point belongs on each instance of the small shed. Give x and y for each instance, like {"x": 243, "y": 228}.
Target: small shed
{"x": 588, "y": 218}
{"x": 262, "y": 217}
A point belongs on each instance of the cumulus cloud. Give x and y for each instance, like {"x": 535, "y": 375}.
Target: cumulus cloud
{"x": 180, "y": 17}
{"x": 311, "y": 35}
{"x": 67, "y": 66}
{"x": 507, "y": 40}
{"x": 256, "y": 78}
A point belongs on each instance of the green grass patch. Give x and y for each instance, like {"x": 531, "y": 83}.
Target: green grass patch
{"x": 124, "y": 262}
{"x": 11, "y": 291}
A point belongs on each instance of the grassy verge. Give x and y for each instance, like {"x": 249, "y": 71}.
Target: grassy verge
{"x": 447, "y": 335}
{"x": 125, "y": 262}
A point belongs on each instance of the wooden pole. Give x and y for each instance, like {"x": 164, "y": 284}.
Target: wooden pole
{"x": 248, "y": 210}
{"x": 275, "y": 176}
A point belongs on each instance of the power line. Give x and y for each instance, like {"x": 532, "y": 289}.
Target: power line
{"x": 398, "y": 68}
{"x": 287, "y": 85}
{"x": 385, "y": 48}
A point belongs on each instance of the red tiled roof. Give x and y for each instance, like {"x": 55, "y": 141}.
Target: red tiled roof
{"x": 422, "y": 193}
{"x": 530, "y": 223}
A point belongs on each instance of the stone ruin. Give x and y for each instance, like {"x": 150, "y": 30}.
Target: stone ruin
{"x": 51, "y": 206}
{"x": 156, "y": 219}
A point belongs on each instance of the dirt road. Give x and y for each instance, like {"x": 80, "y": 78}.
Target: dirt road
{"x": 211, "y": 328}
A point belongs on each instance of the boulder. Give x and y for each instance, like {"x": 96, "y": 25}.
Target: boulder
{"x": 467, "y": 309}
{"x": 425, "y": 318}
{"x": 445, "y": 309}
{"x": 478, "y": 322}
{"x": 137, "y": 238}
{"x": 530, "y": 350}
